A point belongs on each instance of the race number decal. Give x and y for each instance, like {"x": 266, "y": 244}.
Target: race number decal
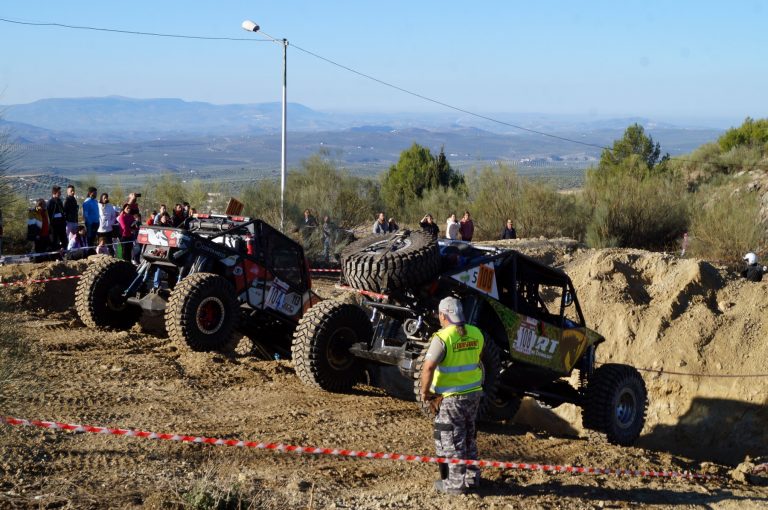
{"x": 276, "y": 295}
{"x": 526, "y": 338}
{"x": 482, "y": 278}
{"x": 485, "y": 278}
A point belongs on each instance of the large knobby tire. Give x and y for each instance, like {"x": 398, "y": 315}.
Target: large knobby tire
{"x": 321, "y": 343}
{"x": 202, "y": 312}
{"x": 391, "y": 261}
{"x": 615, "y": 403}
{"x": 489, "y": 405}
{"x": 98, "y": 297}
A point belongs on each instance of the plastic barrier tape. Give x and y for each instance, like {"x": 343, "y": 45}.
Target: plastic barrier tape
{"x": 23, "y": 283}
{"x": 280, "y": 447}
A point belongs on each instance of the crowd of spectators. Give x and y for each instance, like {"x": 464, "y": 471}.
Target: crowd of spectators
{"x": 56, "y": 231}
{"x": 455, "y": 230}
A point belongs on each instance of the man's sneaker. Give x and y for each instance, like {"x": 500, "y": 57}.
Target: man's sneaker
{"x": 454, "y": 492}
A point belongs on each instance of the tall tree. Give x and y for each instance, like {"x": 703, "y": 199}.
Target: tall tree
{"x": 634, "y": 145}
{"x": 416, "y": 172}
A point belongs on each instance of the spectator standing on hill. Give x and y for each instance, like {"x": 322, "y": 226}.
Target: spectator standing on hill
{"x": 452, "y": 228}
{"x": 428, "y": 224}
{"x": 127, "y": 222}
{"x": 509, "y": 231}
{"x": 133, "y": 202}
{"x": 57, "y": 221}
{"x": 38, "y": 229}
{"x": 91, "y": 216}
{"x": 186, "y": 209}
{"x": 328, "y": 229}
{"x": 466, "y": 227}
{"x": 71, "y": 211}
{"x": 178, "y": 215}
{"x": 308, "y": 223}
{"x": 392, "y": 226}
{"x": 451, "y": 382}
{"x": 380, "y": 226}
{"x": 107, "y": 218}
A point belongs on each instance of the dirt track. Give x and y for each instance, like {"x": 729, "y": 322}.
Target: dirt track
{"x": 140, "y": 380}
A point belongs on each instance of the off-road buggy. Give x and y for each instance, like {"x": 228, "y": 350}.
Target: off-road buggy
{"x": 535, "y": 331}
{"x": 213, "y": 276}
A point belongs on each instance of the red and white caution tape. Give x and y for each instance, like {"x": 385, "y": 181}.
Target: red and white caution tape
{"x": 313, "y": 270}
{"x": 23, "y": 283}
{"x": 284, "y": 448}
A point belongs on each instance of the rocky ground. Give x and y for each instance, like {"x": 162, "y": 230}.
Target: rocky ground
{"x": 664, "y": 315}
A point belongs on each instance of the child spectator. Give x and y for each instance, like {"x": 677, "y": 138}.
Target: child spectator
{"x": 452, "y": 228}
{"x": 78, "y": 243}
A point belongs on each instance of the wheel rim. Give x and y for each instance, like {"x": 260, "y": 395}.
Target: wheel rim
{"x": 115, "y": 299}
{"x": 626, "y": 408}
{"x": 210, "y": 315}
{"x": 337, "y": 351}
{"x": 389, "y": 245}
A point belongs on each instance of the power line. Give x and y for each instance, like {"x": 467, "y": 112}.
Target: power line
{"x": 132, "y": 32}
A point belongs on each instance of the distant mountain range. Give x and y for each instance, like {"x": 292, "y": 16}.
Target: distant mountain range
{"x": 119, "y": 134}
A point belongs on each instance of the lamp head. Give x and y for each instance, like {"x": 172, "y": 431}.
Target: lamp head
{"x": 250, "y": 26}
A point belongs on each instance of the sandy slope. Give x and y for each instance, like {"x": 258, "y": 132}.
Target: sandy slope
{"x": 657, "y": 312}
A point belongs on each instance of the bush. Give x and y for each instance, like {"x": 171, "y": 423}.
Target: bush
{"x": 632, "y": 210}
{"x": 751, "y": 133}
{"x": 536, "y": 208}
{"x": 725, "y": 226}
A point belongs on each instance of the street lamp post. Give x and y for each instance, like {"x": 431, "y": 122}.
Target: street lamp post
{"x": 250, "y": 26}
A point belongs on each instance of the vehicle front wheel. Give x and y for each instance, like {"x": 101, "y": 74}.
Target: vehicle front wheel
{"x": 615, "y": 404}
{"x": 320, "y": 347}
{"x": 202, "y": 312}
{"x": 99, "y": 297}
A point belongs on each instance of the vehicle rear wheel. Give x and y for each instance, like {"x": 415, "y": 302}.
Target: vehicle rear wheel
{"x": 99, "y": 297}
{"x": 320, "y": 347}
{"x": 615, "y": 405}
{"x": 202, "y": 312}
{"x": 391, "y": 261}
{"x": 491, "y": 408}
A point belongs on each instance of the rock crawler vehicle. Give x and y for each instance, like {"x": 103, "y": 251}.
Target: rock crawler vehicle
{"x": 536, "y": 335}
{"x": 215, "y": 276}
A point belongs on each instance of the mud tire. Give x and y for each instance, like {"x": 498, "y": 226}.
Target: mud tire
{"x": 202, "y": 312}
{"x": 413, "y": 259}
{"x": 615, "y": 404}
{"x": 490, "y": 407}
{"x": 320, "y": 347}
{"x": 98, "y": 300}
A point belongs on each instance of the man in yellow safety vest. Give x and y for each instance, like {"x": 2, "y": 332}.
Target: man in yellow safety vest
{"x": 452, "y": 381}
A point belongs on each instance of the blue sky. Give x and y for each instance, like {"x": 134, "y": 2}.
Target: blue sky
{"x": 666, "y": 60}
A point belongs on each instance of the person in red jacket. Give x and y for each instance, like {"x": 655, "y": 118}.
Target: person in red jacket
{"x": 466, "y": 227}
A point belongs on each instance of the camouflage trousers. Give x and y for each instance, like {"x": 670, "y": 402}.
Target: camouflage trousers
{"x": 455, "y": 437}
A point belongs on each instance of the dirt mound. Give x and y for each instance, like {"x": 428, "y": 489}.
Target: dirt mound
{"x": 673, "y": 317}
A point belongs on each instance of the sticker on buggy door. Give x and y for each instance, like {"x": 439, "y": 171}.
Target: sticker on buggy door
{"x": 481, "y": 278}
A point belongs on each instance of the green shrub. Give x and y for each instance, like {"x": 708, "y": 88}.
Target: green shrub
{"x": 752, "y": 133}
{"x": 536, "y": 208}
{"x": 724, "y": 224}
{"x": 632, "y": 210}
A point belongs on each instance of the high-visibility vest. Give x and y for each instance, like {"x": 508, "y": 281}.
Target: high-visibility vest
{"x": 460, "y": 372}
